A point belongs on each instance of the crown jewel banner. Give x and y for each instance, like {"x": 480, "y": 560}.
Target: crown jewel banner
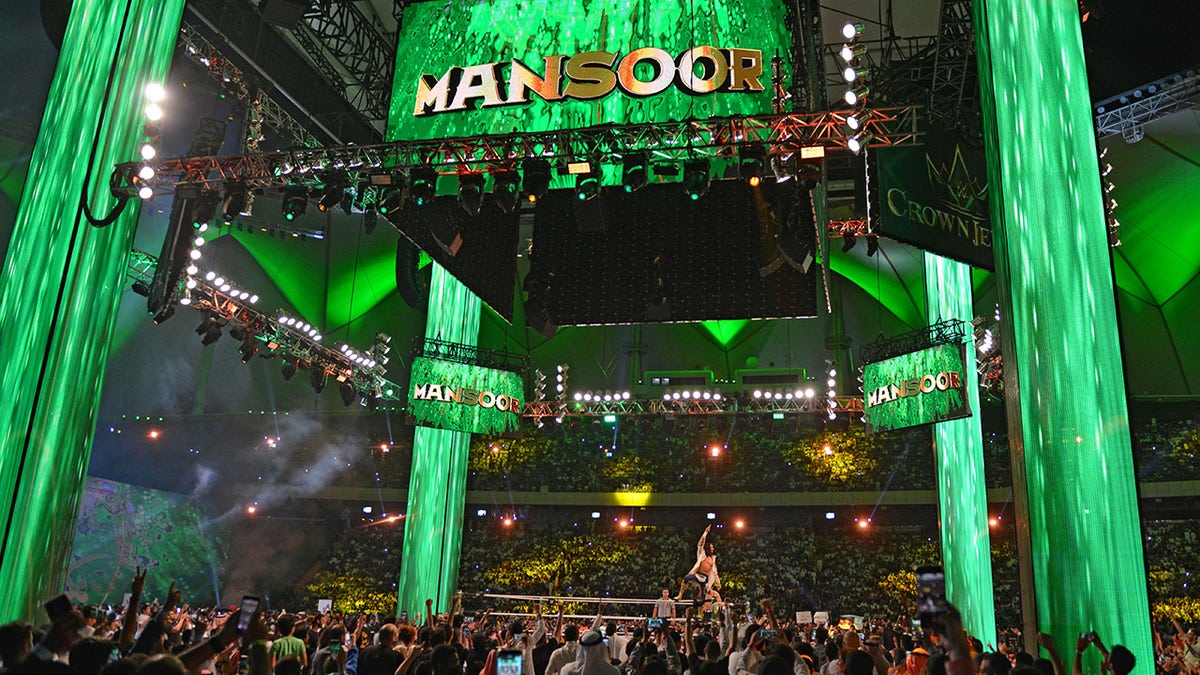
{"x": 935, "y": 197}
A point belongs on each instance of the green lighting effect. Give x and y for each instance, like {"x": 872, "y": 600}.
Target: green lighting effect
{"x": 62, "y": 284}
{"x": 433, "y": 39}
{"x": 724, "y": 332}
{"x": 962, "y": 489}
{"x": 461, "y": 416}
{"x": 1055, "y": 278}
{"x": 932, "y": 379}
{"x": 777, "y": 416}
{"x": 438, "y": 483}
{"x": 611, "y": 419}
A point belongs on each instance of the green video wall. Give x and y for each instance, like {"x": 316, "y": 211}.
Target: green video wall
{"x": 461, "y": 397}
{"x": 475, "y": 47}
{"x": 917, "y": 388}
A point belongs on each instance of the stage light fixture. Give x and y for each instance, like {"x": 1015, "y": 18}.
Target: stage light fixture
{"x": 848, "y": 242}
{"x": 852, "y": 52}
{"x": 696, "y": 178}
{"x": 422, "y": 185}
{"x": 146, "y": 172}
{"x": 470, "y": 192}
{"x": 295, "y": 202}
{"x": 506, "y": 190}
{"x": 872, "y": 246}
{"x": 204, "y": 210}
{"x": 154, "y": 92}
{"x": 145, "y": 192}
{"x": 289, "y": 368}
{"x": 856, "y": 95}
{"x": 446, "y": 233}
{"x": 209, "y": 330}
{"x": 317, "y": 377}
{"x": 751, "y": 161}
{"x": 248, "y": 348}
{"x": 369, "y": 220}
{"x": 587, "y": 186}
{"x": 857, "y": 120}
{"x": 331, "y": 195}
{"x": 634, "y": 172}
{"x": 390, "y": 199}
{"x": 346, "y": 390}
{"x": 851, "y": 30}
{"x": 537, "y": 178}
{"x": 857, "y": 142}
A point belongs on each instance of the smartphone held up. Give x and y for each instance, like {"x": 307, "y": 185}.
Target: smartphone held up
{"x": 931, "y": 597}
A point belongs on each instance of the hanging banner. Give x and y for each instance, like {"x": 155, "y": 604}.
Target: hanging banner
{"x": 935, "y": 197}
{"x": 449, "y": 395}
{"x": 917, "y": 388}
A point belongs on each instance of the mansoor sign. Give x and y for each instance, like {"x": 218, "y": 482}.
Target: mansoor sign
{"x": 591, "y": 75}
{"x": 917, "y": 388}
{"x": 462, "y": 397}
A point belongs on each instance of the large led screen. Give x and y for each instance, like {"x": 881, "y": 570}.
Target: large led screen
{"x": 449, "y": 395}
{"x": 498, "y": 66}
{"x": 917, "y": 388}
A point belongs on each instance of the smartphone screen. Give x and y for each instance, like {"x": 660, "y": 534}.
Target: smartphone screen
{"x": 931, "y": 593}
{"x": 508, "y": 662}
{"x": 249, "y": 607}
{"x": 58, "y": 607}
{"x": 403, "y": 617}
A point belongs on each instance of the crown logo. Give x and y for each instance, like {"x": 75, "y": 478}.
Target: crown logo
{"x": 957, "y": 188}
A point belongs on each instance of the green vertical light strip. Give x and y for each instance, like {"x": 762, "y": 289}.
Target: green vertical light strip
{"x": 962, "y": 490}
{"x": 62, "y": 284}
{"x": 438, "y": 482}
{"x": 1060, "y": 342}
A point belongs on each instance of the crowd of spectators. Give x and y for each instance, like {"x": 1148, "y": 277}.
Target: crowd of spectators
{"x": 751, "y": 638}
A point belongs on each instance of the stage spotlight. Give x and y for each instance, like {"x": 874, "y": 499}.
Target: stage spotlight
{"x": 872, "y": 246}
{"x": 470, "y": 192}
{"x": 507, "y": 190}
{"x": 587, "y": 186}
{"x": 317, "y": 377}
{"x": 634, "y": 172}
{"x": 234, "y": 201}
{"x": 855, "y": 121}
{"x": 850, "y": 74}
{"x": 248, "y": 348}
{"x": 289, "y": 368}
{"x": 850, "y": 53}
{"x": 848, "y": 242}
{"x": 751, "y": 161}
{"x": 390, "y": 199}
{"x": 209, "y": 330}
{"x": 856, "y": 95}
{"x": 422, "y": 185}
{"x": 205, "y": 209}
{"x": 331, "y": 195}
{"x": 537, "y": 178}
{"x": 856, "y": 143}
{"x": 695, "y": 178}
{"x": 295, "y": 202}
{"x": 851, "y": 30}
{"x": 346, "y": 390}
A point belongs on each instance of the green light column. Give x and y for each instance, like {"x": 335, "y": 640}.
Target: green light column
{"x": 1068, "y": 422}
{"x": 958, "y": 444}
{"x": 437, "y": 487}
{"x": 62, "y": 283}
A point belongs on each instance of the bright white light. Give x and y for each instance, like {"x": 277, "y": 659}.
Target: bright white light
{"x": 849, "y": 74}
{"x": 608, "y": 397}
{"x": 155, "y": 93}
{"x": 198, "y": 242}
{"x": 154, "y": 112}
{"x": 712, "y": 516}
{"x": 717, "y": 396}
{"x": 853, "y": 122}
{"x": 788, "y": 396}
{"x": 851, "y": 30}
{"x": 185, "y": 300}
{"x": 707, "y": 396}
{"x": 481, "y": 513}
{"x": 847, "y": 53}
{"x": 809, "y": 393}
{"x": 831, "y": 382}
{"x": 146, "y": 172}
{"x": 148, "y": 151}
{"x": 578, "y": 396}
{"x": 367, "y": 509}
{"x": 854, "y": 145}
{"x": 203, "y": 228}
{"x": 145, "y": 192}
{"x": 850, "y": 97}
{"x": 687, "y": 394}
{"x": 344, "y": 347}
{"x": 225, "y": 288}
{"x": 253, "y": 299}
{"x": 833, "y": 372}
{"x": 194, "y": 254}
{"x": 625, "y": 395}
{"x": 192, "y": 269}
{"x": 191, "y": 283}
{"x": 757, "y": 394}
{"x": 219, "y": 281}
{"x": 696, "y": 395}
{"x": 667, "y": 396}
{"x": 675, "y": 395}
{"x": 316, "y": 338}
{"x": 210, "y": 276}
{"x": 830, "y": 515}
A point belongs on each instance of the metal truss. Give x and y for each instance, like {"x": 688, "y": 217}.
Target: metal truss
{"x": 942, "y": 332}
{"x": 351, "y": 55}
{"x": 954, "y": 94}
{"x": 202, "y": 52}
{"x": 469, "y": 355}
{"x": 725, "y": 406}
{"x": 1127, "y": 113}
{"x": 839, "y": 229}
{"x": 901, "y": 69}
{"x": 140, "y": 270}
{"x": 782, "y": 135}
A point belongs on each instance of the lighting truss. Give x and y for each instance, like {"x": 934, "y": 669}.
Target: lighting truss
{"x": 782, "y": 135}
{"x": 660, "y": 407}
{"x": 277, "y": 336}
{"x": 469, "y": 355}
{"x": 849, "y": 228}
{"x": 942, "y": 332}
{"x": 202, "y": 52}
{"x": 1127, "y": 113}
